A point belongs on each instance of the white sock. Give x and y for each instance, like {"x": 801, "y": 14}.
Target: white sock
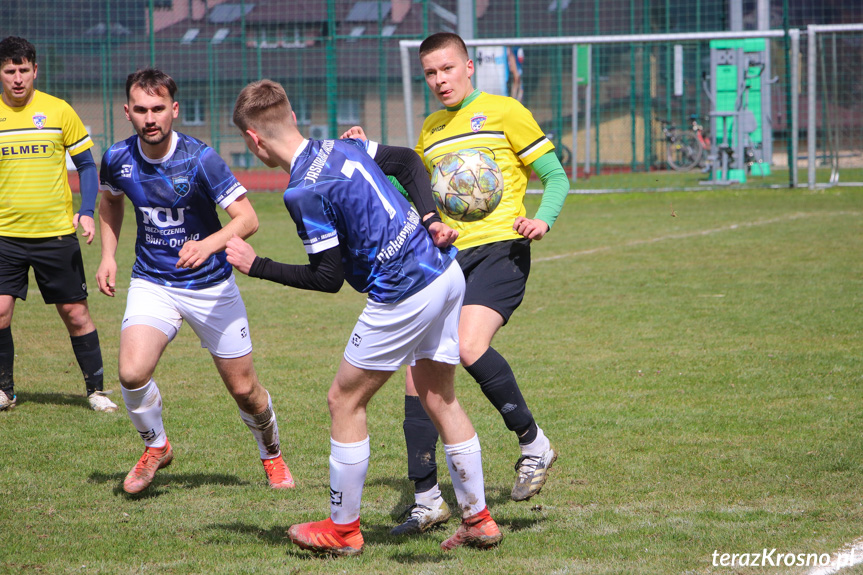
{"x": 538, "y": 446}
{"x": 431, "y": 498}
{"x": 349, "y": 463}
{"x": 144, "y": 406}
{"x": 265, "y": 429}
{"x": 464, "y": 461}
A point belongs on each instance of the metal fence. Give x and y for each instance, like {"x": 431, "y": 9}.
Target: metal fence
{"x": 340, "y": 62}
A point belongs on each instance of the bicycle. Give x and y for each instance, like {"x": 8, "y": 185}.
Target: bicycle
{"x": 685, "y": 149}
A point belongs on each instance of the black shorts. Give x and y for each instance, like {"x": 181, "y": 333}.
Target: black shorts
{"x": 496, "y": 275}
{"x": 56, "y": 263}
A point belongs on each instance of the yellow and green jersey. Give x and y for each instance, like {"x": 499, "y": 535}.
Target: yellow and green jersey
{"x": 35, "y": 198}
{"x": 505, "y": 129}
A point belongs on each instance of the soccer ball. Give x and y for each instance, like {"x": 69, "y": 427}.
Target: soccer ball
{"x": 467, "y": 185}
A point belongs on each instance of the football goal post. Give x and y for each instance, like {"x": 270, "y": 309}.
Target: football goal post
{"x": 603, "y": 99}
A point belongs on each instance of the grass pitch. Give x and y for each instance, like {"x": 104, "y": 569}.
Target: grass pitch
{"x": 695, "y": 358}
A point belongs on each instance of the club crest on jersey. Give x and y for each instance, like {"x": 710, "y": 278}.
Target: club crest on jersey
{"x": 181, "y": 185}
{"x": 39, "y": 120}
{"x": 477, "y": 122}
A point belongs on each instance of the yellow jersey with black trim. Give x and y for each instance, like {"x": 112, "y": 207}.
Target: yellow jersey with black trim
{"x": 35, "y": 198}
{"x": 505, "y": 129}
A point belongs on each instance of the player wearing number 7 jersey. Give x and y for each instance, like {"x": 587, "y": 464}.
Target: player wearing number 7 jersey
{"x": 357, "y": 227}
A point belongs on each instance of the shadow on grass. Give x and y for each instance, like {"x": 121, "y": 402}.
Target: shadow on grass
{"x": 495, "y": 496}
{"x": 515, "y": 525}
{"x": 372, "y": 535}
{"x": 163, "y": 481}
{"x": 408, "y": 558}
{"x": 276, "y": 535}
{"x": 79, "y": 400}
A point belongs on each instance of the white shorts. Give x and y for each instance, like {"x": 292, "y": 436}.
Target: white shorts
{"x": 216, "y": 314}
{"x": 424, "y": 326}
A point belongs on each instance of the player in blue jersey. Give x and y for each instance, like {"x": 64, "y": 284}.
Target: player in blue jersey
{"x": 181, "y": 272}
{"x": 494, "y": 254}
{"x": 356, "y": 227}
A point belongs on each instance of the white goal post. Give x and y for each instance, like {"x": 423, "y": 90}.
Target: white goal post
{"x": 408, "y": 64}
{"x": 812, "y": 32}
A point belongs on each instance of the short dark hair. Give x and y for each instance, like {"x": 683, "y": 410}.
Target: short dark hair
{"x": 152, "y": 81}
{"x": 443, "y": 40}
{"x": 17, "y": 50}
{"x": 262, "y": 105}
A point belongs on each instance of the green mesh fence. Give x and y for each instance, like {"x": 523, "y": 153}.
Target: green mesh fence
{"x": 340, "y": 63}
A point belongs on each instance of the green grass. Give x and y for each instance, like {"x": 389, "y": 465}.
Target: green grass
{"x": 700, "y": 375}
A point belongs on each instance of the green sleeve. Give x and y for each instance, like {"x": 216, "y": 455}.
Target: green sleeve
{"x": 555, "y": 187}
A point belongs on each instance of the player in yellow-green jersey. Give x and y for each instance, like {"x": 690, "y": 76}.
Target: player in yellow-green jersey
{"x": 37, "y": 226}
{"x": 494, "y": 254}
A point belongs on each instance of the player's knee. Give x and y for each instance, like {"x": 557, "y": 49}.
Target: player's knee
{"x": 242, "y": 394}
{"x": 333, "y": 401}
{"x": 7, "y": 307}
{"x": 76, "y": 316}
{"x": 469, "y": 351}
{"x": 345, "y": 404}
{"x": 435, "y": 405}
{"x": 133, "y": 376}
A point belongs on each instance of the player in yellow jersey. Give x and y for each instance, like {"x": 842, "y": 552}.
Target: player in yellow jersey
{"x": 494, "y": 254}
{"x": 37, "y": 226}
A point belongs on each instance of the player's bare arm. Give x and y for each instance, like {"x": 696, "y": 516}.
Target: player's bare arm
{"x": 111, "y": 210}
{"x": 244, "y": 223}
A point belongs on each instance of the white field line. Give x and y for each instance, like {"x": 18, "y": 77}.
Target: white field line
{"x": 848, "y": 556}
{"x": 698, "y": 233}
{"x": 851, "y": 554}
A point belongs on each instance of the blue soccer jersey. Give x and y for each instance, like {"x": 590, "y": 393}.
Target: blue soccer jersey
{"x": 338, "y": 196}
{"x": 175, "y": 201}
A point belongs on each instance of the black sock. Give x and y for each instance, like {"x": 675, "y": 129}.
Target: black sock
{"x": 497, "y": 382}
{"x": 7, "y": 362}
{"x": 421, "y": 440}
{"x": 89, "y": 356}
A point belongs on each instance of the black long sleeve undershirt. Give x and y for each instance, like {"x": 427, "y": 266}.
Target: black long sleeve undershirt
{"x": 406, "y": 166}
{"x": 323, "y": 272}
